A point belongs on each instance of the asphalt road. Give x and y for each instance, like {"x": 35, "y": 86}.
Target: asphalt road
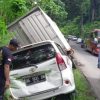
{"x": 87, "y": 63}
{"x": 87, "y": 56}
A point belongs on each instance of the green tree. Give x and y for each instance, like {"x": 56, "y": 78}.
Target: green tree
{"x": 81, "y": 12}
{"x": 55, "y": 9}
{"x": 12, "y": 9}
{"x": 4, "y": 35}
{"x": 95, "y": 10}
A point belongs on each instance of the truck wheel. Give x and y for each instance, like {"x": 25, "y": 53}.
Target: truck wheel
{"x": 86, "y": 48}
{"x": 82, "y": 46}
{"x": 93, "y": 52}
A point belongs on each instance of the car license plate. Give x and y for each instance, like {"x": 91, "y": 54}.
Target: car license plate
{"x": 29, "y": 80}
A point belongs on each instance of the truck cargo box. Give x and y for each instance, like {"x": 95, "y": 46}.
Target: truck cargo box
{"x": 37, "y": 26}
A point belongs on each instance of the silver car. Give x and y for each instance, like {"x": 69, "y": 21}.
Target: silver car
{"x": 40, "y": 71}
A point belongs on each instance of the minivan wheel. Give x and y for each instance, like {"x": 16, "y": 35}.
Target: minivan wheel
{"x": 71, "y": 96}
{"x": 61, "y": 97}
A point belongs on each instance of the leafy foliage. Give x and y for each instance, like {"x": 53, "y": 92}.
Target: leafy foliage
{"x": 17, "y": 8}
{"x": 55, "y": 9}
{"x": 9, "y": 11}
{"x": 70, "y": 28}
{"x": 73, "y": 16}
{"x": 90, "y": 26}
{"x": 86, "y": 11}
{"x": 4, "y": 35}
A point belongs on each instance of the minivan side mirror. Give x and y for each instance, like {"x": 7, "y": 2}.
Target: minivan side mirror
{"x": 70, "y": 52}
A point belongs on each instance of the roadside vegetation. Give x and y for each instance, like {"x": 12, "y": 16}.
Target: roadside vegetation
{"x": 78, "y": 21}
{"x": 83, "y": 90}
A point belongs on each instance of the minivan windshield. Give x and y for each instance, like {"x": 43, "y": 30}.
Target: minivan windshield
{"x": 33, "y": 55}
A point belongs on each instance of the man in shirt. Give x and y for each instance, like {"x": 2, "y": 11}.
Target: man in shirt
{"x": 99, "y": 53}
{"x": 6, "y": 59}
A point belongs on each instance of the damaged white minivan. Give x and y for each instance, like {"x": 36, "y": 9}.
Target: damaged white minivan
{"x": 40, "y": 71}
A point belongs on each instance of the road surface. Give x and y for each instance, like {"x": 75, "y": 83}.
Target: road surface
{"x": 85, "y": 55}
{"x": 87, "y": 63}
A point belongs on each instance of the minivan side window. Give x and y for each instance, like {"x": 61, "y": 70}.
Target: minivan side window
{"x": 60, "y": 49}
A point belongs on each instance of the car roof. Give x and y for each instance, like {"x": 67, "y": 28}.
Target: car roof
{"x": 34, "y": 44}
{"x": 96, "y": 30}
{"x": 38, "y": 43}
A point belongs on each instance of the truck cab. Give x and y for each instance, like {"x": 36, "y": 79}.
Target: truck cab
{"x": 92, "y": 42}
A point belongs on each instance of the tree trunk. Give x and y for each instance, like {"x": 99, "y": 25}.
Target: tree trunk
{"x": 93, "y": 14}
{"x": 93, "y": 10}
{"x": 81, "y": 26}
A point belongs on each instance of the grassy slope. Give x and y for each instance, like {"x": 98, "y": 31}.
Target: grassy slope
{"x": 82, "y": 87}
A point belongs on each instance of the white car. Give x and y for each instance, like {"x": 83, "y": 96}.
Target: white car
{"x": 40, "y": 71}
{"x": 79, "y": 40}
{"x": 74, "y": 38}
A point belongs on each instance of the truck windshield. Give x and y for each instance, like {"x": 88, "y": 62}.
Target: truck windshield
{"x": 98, "y": 34}
{"x": 31, "y": 56}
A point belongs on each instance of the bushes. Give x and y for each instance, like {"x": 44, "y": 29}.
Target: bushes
{"x": 4, "y": 35}
{"x": 73, "y": 28}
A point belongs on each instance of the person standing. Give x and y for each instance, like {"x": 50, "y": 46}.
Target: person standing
{"x": 99, "y": 53}
{"x": 6, "y": 59}
{"x": 99, "y": 60}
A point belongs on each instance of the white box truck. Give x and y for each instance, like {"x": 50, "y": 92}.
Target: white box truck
{"x": 37, "y": 26}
